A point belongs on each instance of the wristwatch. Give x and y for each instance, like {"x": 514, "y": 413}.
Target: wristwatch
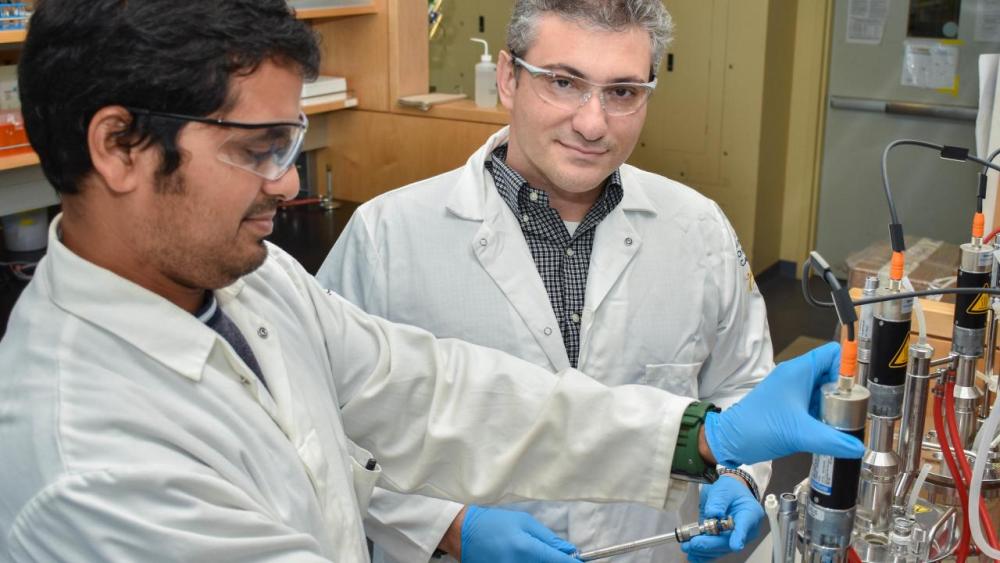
{"x": 688, "y": 464}
{"x": 751, "y": 483}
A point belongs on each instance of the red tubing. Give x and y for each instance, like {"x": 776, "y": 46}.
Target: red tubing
{"x": 963, "y": 462}
{"x": 990, "y": 236}
{"x": 963, "y": 547}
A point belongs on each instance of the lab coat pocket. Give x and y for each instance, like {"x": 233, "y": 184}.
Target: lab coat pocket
{"x": 679, "y": 379}
{"x": 311, "y": 454}
{"x": 365, "y": 479}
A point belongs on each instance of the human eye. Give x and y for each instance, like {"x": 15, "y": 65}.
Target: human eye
{"x": 257, "y": 153}
{"x": 623, "y": 91}
{"x": 560, "y": 82}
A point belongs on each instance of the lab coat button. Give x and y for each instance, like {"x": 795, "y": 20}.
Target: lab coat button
{"x": 547, "y": 331}
{"x": 244, "y": 380}
{"x": 482, "y": 242}
{"x": 262, "y": 332}
{"x": 628, "y": 241}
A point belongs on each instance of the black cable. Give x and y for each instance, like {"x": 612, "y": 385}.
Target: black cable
{"x": 928, "y": 292}
{"x": 991, "y": 158}
{"x": 806, "y": 272}
{"x": 885, "y": 170}
{"x": 946, "y": 152}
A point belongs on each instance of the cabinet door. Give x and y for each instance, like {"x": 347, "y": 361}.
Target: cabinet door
{"x": 703, "y": 125}
{"x": 681, "y": 139}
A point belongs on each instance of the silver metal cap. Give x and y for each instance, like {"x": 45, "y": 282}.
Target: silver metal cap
{"x": 845, "y": 409}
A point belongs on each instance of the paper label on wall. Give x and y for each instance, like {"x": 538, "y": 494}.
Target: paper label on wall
{"x": 988, "y": 21}
{"x": 866, "y": 21}
{"x": 929, "y": 64}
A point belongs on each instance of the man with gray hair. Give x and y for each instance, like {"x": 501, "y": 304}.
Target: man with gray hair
{"x": 547, "y": 246}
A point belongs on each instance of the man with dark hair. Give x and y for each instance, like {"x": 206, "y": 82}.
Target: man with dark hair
{"x": 176, "y": 389}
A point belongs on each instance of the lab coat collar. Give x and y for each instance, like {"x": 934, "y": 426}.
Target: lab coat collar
{"x": 157, "y": 327}
{"x": 470, "y": 204}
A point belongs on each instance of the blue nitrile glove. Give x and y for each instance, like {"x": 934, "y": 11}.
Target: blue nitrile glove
{"x": 729, "y": 496}
{"x": 777, "y": 418}
{"x": 493, "y": 535}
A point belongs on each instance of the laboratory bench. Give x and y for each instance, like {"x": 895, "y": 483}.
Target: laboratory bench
{"x": 307, "y": 232}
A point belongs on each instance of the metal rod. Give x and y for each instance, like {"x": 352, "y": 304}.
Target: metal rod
{"x": 958, "y": 113}
{"x": 911, "y": 428}
{"x": 945, "y": 360}
{"x": 711, "y": 527}
{"x": 788, "y": 522}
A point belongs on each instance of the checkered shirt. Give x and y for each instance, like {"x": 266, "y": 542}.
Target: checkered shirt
{"x": 562, "y": 260}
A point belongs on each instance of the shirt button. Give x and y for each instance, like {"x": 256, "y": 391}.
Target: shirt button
{"x": 628, "y": 241}
{"x": 533, "y": 196}
{"x": 575, "y": 317}
{"x": 547, "y": 331}
{"x": 524, "y": 218}
{"x": 570, "y": 252}
{"x": 262, "y": 332}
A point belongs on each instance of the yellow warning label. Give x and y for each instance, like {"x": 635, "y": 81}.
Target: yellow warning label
{"x": 980, "y": 306}
{"x": 920, "y": 509}
{"x": 902, "y": 356}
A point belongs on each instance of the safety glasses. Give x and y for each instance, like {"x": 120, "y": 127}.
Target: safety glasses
{"x": 572, "y": 92}
{"x": 267, "y": 150}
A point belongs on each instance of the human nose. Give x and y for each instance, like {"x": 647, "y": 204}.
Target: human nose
{"x": 286, "y": 187}
{"x": 590, "y": 119}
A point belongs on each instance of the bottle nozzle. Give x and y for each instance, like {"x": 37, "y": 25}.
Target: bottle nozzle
{"x": 486, "y": 58}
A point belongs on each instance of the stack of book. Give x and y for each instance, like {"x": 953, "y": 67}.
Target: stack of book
{"x": 325, "y": 90}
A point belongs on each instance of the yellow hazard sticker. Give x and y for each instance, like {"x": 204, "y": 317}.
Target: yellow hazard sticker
{"x": 921, "y": 509}
{"x": 980, "y": 306}
{"x": 902, "y": 355}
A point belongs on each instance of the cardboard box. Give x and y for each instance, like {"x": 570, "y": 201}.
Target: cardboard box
{"x": 929, "y": 263}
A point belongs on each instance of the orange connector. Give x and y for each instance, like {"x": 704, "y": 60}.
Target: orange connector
{"x": 978, "y": 226}
{"x": 896, "y": 270}
{"x": 848, "y": 358}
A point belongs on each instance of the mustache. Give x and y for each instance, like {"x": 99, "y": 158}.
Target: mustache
{"x": 266, "y": 206}
{"x": 602, "y": 146}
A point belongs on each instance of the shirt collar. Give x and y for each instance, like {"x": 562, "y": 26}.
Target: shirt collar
{"x": 511, "y": 185}
{"x": 157, "y": 327}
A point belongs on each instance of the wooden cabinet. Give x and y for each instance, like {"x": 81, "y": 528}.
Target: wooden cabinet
{"x": 719, "y": 119}
{"x": 381, "y": 146}
{"x": 382, "y": 50}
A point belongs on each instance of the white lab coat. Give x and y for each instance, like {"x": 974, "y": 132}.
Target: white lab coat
{"x": 130, "y": 431}
{"x": 670, "y": 303}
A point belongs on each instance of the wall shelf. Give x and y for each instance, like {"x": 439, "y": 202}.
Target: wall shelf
{"x": 8, "y": 36}
{"x": 326, "y": 107}
{"x": 461, "y": 110}
{"x": 19, "y": 160}
{"x": 330, "y": 13}
{"x": 11, "y": 36}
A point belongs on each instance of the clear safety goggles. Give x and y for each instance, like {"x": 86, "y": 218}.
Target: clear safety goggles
{"x": 572, "y": 92}
{"x": 267, "y": 150}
